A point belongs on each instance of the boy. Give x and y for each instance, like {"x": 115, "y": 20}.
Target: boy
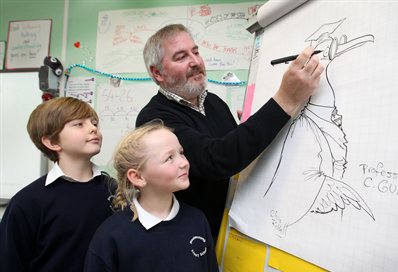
{"x": 47, "y": 225}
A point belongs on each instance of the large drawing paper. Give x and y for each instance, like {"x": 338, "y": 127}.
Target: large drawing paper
{"x": 326, "y": 190}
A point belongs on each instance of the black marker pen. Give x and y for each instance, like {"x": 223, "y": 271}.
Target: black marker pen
{"x": 290, "y": 58}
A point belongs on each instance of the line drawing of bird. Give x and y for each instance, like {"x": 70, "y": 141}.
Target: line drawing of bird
{"x": 317, "y": 130}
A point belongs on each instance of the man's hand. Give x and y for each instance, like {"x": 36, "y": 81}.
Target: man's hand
{"x": 299, "y": 81}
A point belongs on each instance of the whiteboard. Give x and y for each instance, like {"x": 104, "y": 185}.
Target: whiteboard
{"x": 219, "y": 31}
{"x": 19, "y": 158}
{"x": 118, "y": 107}
{"x": 326, "y": 190}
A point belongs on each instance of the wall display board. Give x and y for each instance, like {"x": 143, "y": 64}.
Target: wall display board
{"x": 326, "y": 190}
{"x": 28, "y": 43}
{"x": 2, "y": 54}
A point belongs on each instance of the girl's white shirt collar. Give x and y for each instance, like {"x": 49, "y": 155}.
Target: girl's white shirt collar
{"x": 148, "y": 220}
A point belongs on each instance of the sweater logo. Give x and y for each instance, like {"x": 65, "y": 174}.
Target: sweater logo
{"x": 198, "y": 246}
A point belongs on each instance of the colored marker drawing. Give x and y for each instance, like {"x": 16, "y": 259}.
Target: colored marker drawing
{"x": 317, "y": 130}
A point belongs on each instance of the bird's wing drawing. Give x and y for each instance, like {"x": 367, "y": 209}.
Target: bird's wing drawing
{"x": 335, "y": 195}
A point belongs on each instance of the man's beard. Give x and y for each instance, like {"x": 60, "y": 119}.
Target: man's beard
{"x": 184, "y": 87}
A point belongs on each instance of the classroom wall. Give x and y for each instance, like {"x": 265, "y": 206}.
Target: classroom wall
{"x": 82, "y": 17}
{"x": 13, "y": 10}
{"x": 72, "y": 21}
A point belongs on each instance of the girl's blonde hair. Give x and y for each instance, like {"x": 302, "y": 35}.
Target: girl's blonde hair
{"x": 131, "y": 154}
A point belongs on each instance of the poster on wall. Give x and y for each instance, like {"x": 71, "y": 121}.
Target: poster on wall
{"x": 28, "y": 43}
{"x": 2, "y": 54}
{"x": 219, "y": 31}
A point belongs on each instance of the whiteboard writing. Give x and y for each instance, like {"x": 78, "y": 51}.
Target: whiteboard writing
{"x": 219, "y": 30}
{"x": 118, "y": 107}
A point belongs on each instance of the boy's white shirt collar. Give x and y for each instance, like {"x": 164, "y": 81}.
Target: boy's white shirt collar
{"x": 148, "y": 220}
{"x": 57, "y": 172}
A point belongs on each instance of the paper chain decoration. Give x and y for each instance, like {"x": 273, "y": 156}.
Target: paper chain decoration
{"x": 68, "y": 70}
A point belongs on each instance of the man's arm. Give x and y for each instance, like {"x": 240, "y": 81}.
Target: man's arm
{"x": 215, "y": 146}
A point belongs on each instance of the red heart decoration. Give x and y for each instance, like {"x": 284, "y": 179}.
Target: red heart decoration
{"x": 77, "y": 44}
{"x": 46, "y": 96}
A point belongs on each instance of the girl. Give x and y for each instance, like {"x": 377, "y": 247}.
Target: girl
{"x": 152, "y": 231}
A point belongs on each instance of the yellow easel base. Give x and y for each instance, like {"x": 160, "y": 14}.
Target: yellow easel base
{"x": 286, "y": 262}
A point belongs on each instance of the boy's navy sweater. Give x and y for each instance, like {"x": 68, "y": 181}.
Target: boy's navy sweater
{"x": 214, "y": 146}
{"x": 49, "y": 228}
{"x": 179, "y": 245}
